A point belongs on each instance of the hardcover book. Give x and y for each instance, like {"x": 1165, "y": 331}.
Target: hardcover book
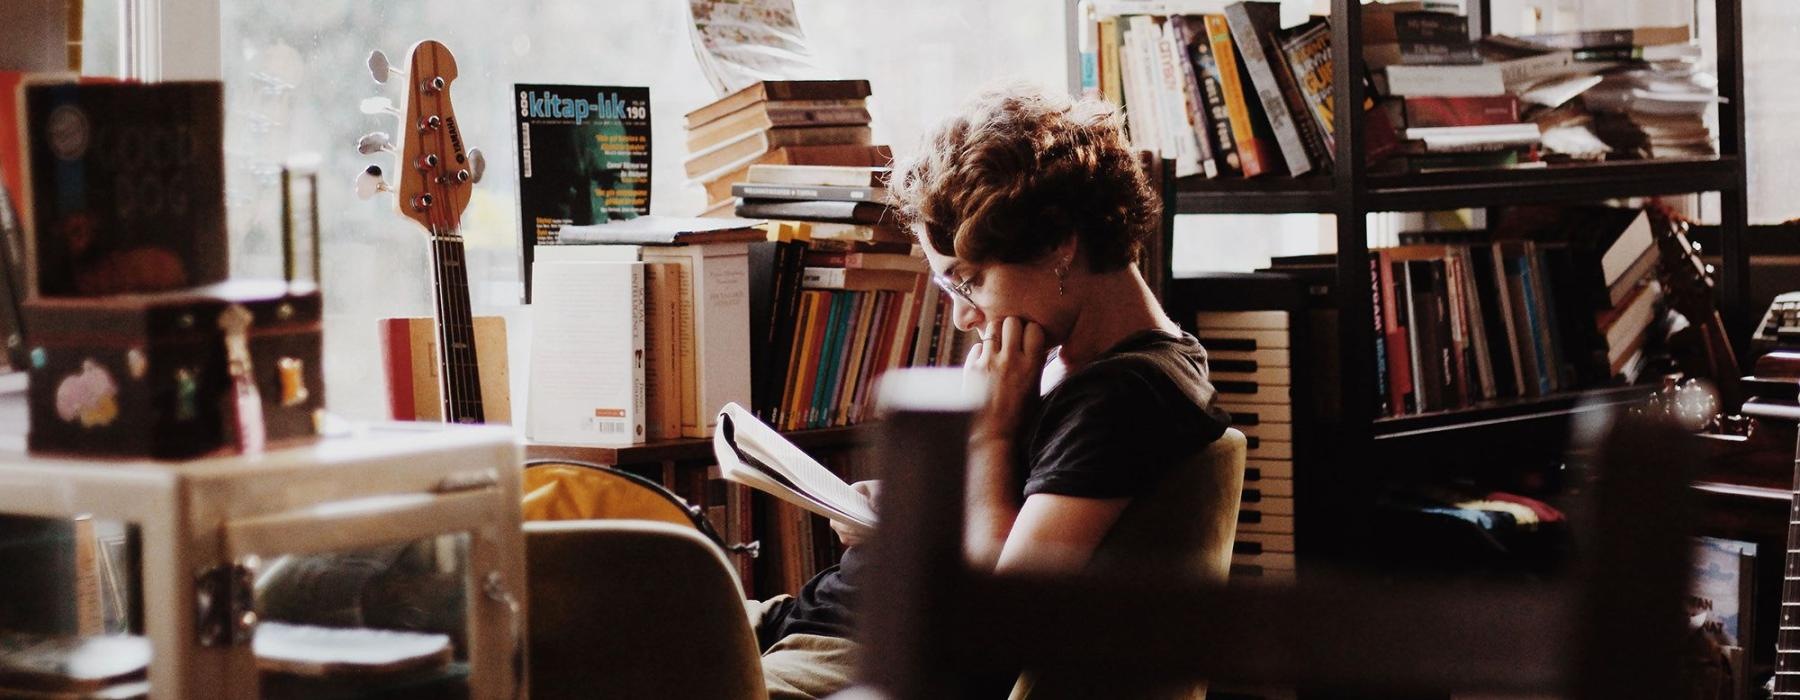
{"x": 125, "y": 189}
{"x": 584, "y": 158}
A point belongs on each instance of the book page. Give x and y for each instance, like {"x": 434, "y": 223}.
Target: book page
{"x": 739, "y": 42}
{"x": 790, "y": 475}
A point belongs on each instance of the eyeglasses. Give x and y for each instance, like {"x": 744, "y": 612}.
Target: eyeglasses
{"x": 964, "y": 288}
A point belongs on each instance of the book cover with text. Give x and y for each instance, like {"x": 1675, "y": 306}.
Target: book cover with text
{"x": 584, "y": 158}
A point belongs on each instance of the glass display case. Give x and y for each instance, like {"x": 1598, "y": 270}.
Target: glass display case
{"x": 389, "y": 559}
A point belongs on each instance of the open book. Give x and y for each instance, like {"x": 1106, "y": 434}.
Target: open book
{"x": 753, "y": 454}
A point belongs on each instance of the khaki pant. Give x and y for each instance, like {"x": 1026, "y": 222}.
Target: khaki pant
{"x": 802, "y": 666}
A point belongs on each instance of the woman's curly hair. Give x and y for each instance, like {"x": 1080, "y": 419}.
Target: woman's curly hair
{"x": 1022, "y": 170}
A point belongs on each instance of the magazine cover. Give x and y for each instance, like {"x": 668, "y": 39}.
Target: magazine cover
{"x": 584, "y": 158}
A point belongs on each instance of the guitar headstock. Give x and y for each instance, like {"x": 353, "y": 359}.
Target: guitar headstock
{"x": 436, "y": 171}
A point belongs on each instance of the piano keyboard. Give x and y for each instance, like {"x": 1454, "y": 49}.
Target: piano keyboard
{"x": 1250, "y": 364}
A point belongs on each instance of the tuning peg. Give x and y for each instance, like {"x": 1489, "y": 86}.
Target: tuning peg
{"x": 1696, "y": 246}
{"x": 379, "y": 67}
{"x": 477, "y": 164}
{"x": 374, "y": 142}
{"x": 370, "y": 183}
{"x": 1709, "y": 269}
{"x": 379, "y": 105}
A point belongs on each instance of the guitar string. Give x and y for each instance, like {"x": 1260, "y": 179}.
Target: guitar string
{"x": 450, "y": 316}
{"x": 464, "y": 370}
{"x": 439, "y": 227}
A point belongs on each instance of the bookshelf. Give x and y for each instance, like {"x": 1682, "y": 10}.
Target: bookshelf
{"x": 1363, "y": 447}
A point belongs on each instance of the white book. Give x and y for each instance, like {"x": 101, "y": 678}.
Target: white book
{"x": 1140, "y": 104}
{"x": 755, "y": 455}
{"x": 587, "y": 353}
{"x": 1173, "y": 99}
{"x": 1445, "y": 81}
{"x": 715, "y": 319}
{"x": 1626, "y": 249}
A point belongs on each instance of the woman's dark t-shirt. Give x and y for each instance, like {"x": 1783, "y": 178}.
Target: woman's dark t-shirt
{"x": 1109, "y": 430}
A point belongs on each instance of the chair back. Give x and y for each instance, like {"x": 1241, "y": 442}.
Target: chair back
{"x": 1183, "y": 528}
{"x": 636, "y": 609}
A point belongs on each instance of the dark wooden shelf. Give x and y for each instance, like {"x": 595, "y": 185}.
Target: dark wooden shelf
{"x": 1460, "y": 188}
{"x": 693, "y": 449}
{"x": 1261, "y": 195}
{"x": 1502, "y": 413}
{"x": 1562, "y": 183}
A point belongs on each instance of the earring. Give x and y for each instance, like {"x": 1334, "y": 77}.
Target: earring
{"x": 1062, "y": 277}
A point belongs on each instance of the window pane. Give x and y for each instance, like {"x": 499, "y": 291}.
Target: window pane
{"x": 295, "y": 74}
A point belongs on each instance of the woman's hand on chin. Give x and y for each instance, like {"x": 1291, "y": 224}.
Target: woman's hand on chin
{"x": 1011, "y": 356}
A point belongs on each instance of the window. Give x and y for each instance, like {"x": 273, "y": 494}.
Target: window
{"x": 294, "y": 74}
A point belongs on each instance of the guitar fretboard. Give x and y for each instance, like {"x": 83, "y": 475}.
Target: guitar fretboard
{"x": 461, "y": 374}
{"x": 1787, "y": 633}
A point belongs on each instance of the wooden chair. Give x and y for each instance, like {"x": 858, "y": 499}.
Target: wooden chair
{"x": 1614, "y": 629}
{"x": 636, "y": 609}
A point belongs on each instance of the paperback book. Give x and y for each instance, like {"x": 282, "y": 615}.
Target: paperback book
{"x": 753, "y": 454}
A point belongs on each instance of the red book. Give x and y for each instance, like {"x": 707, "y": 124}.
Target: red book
{"x": 1461, "y": 111}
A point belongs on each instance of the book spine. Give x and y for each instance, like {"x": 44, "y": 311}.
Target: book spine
{"x": 722, "y": 324}
{"x": 662, "y": 399}
{"x": 1417, "y": 339}
{"x": 1460, "y": 361}
{"x": 397, "y": 353}
{"x": 1393, "y": 320}
{"x": 1218, "y": 117}
{"x": 829, "y": 360}
{"x": 1523, "y": 312}
{"x": 803, "y": 116}
{"x": 1180, "y": 111}
{"x": 634, "y": 423}
{"x": 1110, "y": 80}
{"x": 1251, "y": 153}
{"x": 808, "y": 320}
{"x": 1476, "y": 320}
{"x": 1181, "y": 36}
{"x": 1480, "y": 80}
{"x": 807, "y": 374}
{"x": 846, "y": 354}
{"x": 1140, "y": 101}
{"x": 1519, "y": 72}
{"x": 1509, "y": 327}
{"x": 1308, "y": 59}
{"x": 858, "y": 357}
{"x": 1383, "y": 391}
{"x": 749, "y": 190}
{"x": 1251, "y": 35}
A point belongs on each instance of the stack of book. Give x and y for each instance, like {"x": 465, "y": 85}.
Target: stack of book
{"x": 1633, "y": 297}
{"x": 839, "y": 201}
{"x": 791, "y": 122}
{"x": 1631, "y": 93}
{"x": 1469, "y": 317}
{"x": 1456, "y": 106}
{"x": 1655, "y": 111}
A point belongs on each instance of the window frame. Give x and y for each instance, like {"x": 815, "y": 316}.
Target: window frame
{"x": 180, "y": 39}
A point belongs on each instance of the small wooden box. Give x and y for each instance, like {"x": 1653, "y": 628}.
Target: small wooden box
{"x": 145, "y": 375}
